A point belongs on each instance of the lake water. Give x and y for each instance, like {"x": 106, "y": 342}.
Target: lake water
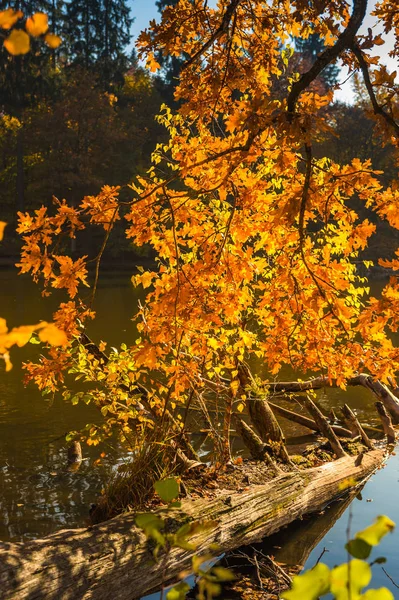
{"x": 37, "y": 493}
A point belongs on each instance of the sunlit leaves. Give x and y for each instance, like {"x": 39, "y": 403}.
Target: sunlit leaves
{"x": 310, "y": 585}
{"x": 52, "y": 40}
{"x": 53, "y": 336}
{"x": 346, "y": 581}
{"x": 2, "y": 227}
{"x": 361, "y": 545}
{"x": 19, "y": 336}
{"x": 9, "y": 17}
{"x": 37, "y": 24}
{"x": 167, "y": 489}
{"x": 18, "y": 42}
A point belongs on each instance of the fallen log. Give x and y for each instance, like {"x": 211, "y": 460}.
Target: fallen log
{"x": 305, "y": 421}
{"x": 114, "y": 559}
{"x": 381, "y": 391}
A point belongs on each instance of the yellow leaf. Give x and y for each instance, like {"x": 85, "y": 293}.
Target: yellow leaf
{"x": 53, "y": 335}
{"x": 6, "y": 358}
{"x": 9, "y": 17}
{"x": 52, "y": 40}
{"x": 240, "y": 407}
{"x": 2, "y": 226}
{"x": 37, "y": 24}
{"x": 146, "y": 279}
{"x": 18, "y": 42}
{"x": 3, "y": 326}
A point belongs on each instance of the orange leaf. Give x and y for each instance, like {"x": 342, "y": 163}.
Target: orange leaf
{"x": 9, "y": 17}
{"x": 52, "y": 40}
{"x": 53, "y": 335}
{"x": 18, "y": 42}
{"x": 37, "y": 24}
{"x": 2, "y": 226}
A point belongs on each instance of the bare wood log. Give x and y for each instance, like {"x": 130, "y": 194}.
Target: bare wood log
{"x": 325, "y": 428}
{"x": 74, "y": 457}
{"x": 297, "y": 543}
{"x": 332, "y": 417}
{"x": 113, "y": 559}
{"x": 267, "y": 426}
{"x": 357, "y": 428}
{"x": 385, "y": 396}
{"x": 263, "y": 418}
{"x": 305, "y": 421}
{"x": 386, "y": 422}
{"x": 380, "y": 390}
{"x": 252, "y": 441}
{"x": 257, "y": 448}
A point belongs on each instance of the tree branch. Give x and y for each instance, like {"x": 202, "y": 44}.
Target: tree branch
{"x": 378, "y": 110}
{"x": 223, "y": 28}
{"x": 344, "y": 42}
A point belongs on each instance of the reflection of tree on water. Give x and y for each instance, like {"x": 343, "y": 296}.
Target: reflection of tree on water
{"x": 45, "y": 496}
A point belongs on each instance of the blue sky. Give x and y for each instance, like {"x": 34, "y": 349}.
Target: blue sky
{"x": 145, "y": 10}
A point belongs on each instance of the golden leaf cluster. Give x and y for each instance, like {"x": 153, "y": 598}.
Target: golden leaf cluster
{"x": 18, "y": 41}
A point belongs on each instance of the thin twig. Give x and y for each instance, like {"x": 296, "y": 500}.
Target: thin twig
{"x": 390, "y": 578}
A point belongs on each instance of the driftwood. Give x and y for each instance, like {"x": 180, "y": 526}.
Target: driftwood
{"x": 325, "y": 428}
{"x": 386, "y": 422}
{"x": 305, "y": 421}
{"x": 113, "y": 559}
{"x": 257, "y": 448}
{"x": 383, "y": 394}
{"x": 357, "y": 429}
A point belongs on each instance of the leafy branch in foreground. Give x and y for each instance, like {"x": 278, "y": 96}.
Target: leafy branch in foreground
{"x": 36, "y": 26}
{"x": 346, "y": 581}
{"x": 209, "y": 578}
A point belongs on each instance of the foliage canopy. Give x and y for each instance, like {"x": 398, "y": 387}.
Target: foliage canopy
{"x": 258, "y": 245}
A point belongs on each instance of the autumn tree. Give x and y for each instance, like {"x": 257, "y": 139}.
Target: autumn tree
{"x": 256, "y": 239}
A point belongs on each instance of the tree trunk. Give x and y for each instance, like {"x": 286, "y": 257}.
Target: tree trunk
{"x": 113, "y": 560}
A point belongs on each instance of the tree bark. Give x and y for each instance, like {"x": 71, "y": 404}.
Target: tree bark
{"x": 305, "y": 421}
{"x": 325, "y": 428}
{"x": 380, "y": 390}
{"x": 113, "y": 559}
{"x": 386, "y": 422}
{"x": 357, "y": 428}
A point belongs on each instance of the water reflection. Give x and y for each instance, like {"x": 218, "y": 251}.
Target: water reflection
{"x": 37, "y": 493}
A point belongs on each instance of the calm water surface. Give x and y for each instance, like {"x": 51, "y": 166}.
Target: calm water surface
{"x": 37, "y": 493}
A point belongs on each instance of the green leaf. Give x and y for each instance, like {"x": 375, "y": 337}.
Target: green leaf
{"x": 223, "y": 574}
{"x": 151, "y": 525}
{"x": 358, "y": 548}
{"x": 380, "y": 560}
{"x": 380, "y": 594}
{"x": 178, "y": 592}
{"x": 310, "y": 585}
{"x": 349, "y": 579}
{"x": 149, "y": 520}
{"x": 167, "y": 489}
{"x": 373, "y": 534}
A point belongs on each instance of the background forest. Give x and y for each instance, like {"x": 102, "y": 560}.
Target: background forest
{"x": 75, "y": 118}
